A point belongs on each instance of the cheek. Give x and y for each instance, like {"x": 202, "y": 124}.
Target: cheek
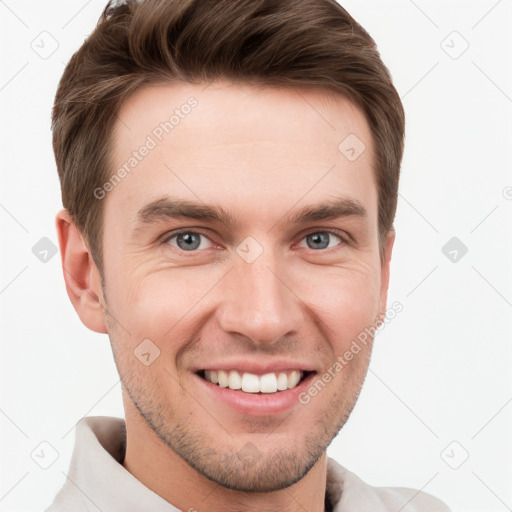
{"x": 168, "y": 302}
{"x": 346, "y": 301}
{"x": 160, "y": 303}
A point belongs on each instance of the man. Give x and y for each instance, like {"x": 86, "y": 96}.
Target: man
{"x": 229, "y": 174}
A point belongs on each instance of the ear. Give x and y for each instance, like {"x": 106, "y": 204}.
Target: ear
{"x": 83, "y": 280}
{"x": 385, "y": 270}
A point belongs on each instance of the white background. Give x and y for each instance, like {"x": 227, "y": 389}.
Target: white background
{"x": 441, "y": 369}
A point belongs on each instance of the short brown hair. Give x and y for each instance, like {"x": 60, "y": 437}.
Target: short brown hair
{"x": 283, "y": 43}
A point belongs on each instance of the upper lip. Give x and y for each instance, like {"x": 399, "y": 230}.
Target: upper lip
{"x": 257, "y": 367}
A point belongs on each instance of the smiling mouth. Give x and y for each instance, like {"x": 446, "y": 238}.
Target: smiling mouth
{"x": 272, "y": 382}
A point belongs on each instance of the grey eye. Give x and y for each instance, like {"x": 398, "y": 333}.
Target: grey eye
{"x": 320, "y": 240}
{"x": 187, "y": 240}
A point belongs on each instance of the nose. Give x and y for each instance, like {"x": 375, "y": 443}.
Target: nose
{"x": 259, "y": 301}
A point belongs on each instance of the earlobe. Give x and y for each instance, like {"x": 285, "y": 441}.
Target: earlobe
{"x": 82, "y": 278}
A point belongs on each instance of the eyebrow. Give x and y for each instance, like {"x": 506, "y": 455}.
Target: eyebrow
{"x": 174, "y": 208}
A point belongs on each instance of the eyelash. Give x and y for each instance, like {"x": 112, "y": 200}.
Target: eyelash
{"x": 174, "y": 234}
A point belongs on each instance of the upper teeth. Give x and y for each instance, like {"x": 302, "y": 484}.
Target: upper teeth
{"x": 251, "y": 383}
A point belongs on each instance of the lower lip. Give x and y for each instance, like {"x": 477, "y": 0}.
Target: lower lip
{"x": 257, "y": 404}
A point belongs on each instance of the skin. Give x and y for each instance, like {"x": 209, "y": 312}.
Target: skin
{"x": 261, "y": 154}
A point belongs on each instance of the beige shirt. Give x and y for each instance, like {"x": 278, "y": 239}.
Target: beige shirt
{"x": 98, "y": 482}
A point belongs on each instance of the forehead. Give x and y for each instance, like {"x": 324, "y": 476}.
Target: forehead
{"x": 251, "y": 149}
{"x": 240, "y": 110}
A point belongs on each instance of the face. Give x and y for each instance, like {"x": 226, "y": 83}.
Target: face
{"x": 219, "y": 257}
